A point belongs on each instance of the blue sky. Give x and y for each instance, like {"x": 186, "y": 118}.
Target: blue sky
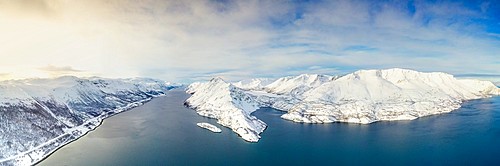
{"x": 185, "y": 41}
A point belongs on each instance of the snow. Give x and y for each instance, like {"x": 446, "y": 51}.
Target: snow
{"x": 295, "y": 85}
{"x": 263, "y": 93}
{"x": 254, "y": 84}
{"x": 39, "y": 115}
{"x": 368, "y": 96}
{"x": 363, "y": 97}
{"x": 229, "y": 105}
{"x": 210, "y": 127}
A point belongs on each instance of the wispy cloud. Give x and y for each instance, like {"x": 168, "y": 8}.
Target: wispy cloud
{"x": 4, "y": 74}
{"x": 190, "y": 40}
{"x": 62, "y": 69}
{"x": 56, "y": 71}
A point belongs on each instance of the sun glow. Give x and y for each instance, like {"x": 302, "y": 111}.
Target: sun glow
{"x": 197, "y": 40}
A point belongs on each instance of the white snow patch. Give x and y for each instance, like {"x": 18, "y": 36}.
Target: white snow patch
{"x": 210, "y": 127}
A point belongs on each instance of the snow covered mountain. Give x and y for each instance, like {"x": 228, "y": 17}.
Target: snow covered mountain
{"x": 254, "y": 84}
{"x": 364, "y": 96}
{"x": 296, "y": 85}
{"x": 39, "y": 115}
{"x": 372, "y": 95}
{"x": 230, "y": 105}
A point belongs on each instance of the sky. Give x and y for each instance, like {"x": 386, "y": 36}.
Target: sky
{"x": 185, "y": 41}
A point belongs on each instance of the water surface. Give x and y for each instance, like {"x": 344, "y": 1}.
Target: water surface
{"x": 164, "y": 132}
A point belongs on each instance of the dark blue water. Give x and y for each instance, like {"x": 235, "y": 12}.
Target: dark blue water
{"x": 163, "y": 132}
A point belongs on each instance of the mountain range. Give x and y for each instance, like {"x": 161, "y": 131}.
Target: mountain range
{"x": 363, "y": 97}
{"x": 37, "y": 116}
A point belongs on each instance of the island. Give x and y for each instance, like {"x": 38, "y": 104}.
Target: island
{"x": 210, "y": 127}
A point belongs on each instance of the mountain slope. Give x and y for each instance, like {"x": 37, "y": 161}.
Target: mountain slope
{"x": 229, "y": 105}
{"x": 296, "y": 85}
{"x": 254, "y": 84}
{"x": 364, "y": 96}
{"x": 395, "y": 94}
{"x": 39, "y": 115}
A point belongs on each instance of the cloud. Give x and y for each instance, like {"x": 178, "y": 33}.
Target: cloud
{"x": 4, "y": 75}
{"x": 55, "y": 71}
{"x": 191, "y": 40}
{"x": 62, "y": 69}
{"x": 28, "y": 7}
{"x": 424, "y": 39}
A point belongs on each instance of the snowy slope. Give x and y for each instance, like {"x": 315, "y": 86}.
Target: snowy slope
{"x": 229, "y": 105}
{"x": 254, "y": 84}
{"x": 39, "y": 115}
{"x": 364, "y": 96}
{"x": 395, "y": 94}
{"x": 296, "y": 85}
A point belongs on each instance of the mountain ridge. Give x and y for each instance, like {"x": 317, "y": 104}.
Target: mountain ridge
{"x": 364, "y": 96}
{"x": 40, "y": 115}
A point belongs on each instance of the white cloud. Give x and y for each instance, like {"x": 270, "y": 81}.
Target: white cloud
{"x": 190, "y": 40}
{"x": 57, "y": 71}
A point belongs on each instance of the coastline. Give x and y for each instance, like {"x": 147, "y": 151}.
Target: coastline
{"x": 59, "y": 147}
{"x": 131, "y": 138}
{"x": 45, "y": 149}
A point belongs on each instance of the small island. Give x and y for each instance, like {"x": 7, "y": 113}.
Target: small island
{"x": 210, "y": 127}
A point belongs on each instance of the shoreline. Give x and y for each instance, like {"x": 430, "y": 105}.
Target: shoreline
{"x": 142, "y": 102}
{"x": 59, "y": 147}
{"x": 38, "y": 154}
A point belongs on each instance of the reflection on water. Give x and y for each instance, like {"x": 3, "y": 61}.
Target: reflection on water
{"x": 163, "y": 132}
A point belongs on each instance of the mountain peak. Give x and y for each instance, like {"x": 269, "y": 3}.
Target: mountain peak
{"x": 217, "y": 79}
